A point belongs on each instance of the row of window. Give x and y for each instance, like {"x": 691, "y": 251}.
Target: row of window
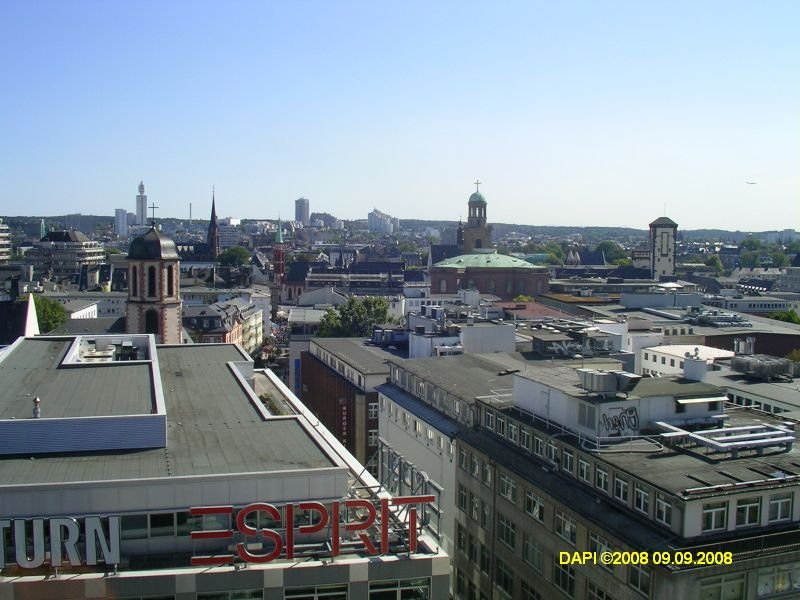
{"x": 429, "y": 393}
{"x": 563, "y": 576}
{"x": 600, "y": 476}
{"x": 748, "y": 511}
{"x": 664, "y": 360}
{"x": 409, "y": 421}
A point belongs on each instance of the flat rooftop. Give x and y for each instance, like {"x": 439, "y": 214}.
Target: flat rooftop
{"x": 34, "y": 368}
{"x": 783, "y": 391}
{"x": 214, "y": 426}
{"x": 682, "y": 468}
{"x": 364, "y": 357}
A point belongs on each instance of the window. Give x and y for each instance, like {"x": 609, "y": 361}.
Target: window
{"x": 715, "y": 516}
{"x": 162, "y": 524}
{"x": 372, "y": 440}
{"x": 532, "y": 552}
{"x": 594, "y": 592}
{"x": 487, "y": 474}
{"x": 567, "y": 460}
{"x": 462, "y": 458}
{"x": 488, "y": 419}
{"x": 506, "y": 531}
{"x": 151, "y": 281}
{"x": 620, "y": 489}
{"x": 725, "y": 587}
{"x": 583, "y": 470}
{"x": 474, "y": 465}
{"x": 534, "y": 506}
{"x": 565, "y": 527}
{"x": 671, "y": 362}
{"x": 525, "y": 439}
{"x": 601, "y": 478}
{"x": 504, "y": 576}
{"x": 748, "y": 512}
{"x": 513, "y": 430}
{"x": 646, "y": 356}
{"x": 472, "y": 549}
{"x": 462, "y": 497}
{"x": 170, "y": 281}
{"x": 538, "y": 446}
{"x": 780, "y": 507}
{"x": 151, "y": 321}
{"x": 639, "y": 578}
{"x": 474, "y": 506}
{"x": 508, "y": 488}
{"x": 372, "y": 410}
{"x": 529, "y": 593}
{"x": 663, "y": 510}
{"x": 777, "y": 580}
{"x": 418, "y": 589}
{"x": 586, "y": 415}
{"x": 461, "y": 537}
{"x": 486, "y": 514}
{"x": 552, "y": 452}
{"x": 134, "y": 281}
{"x": 564, "y": 578}
{"x": 641, "y": 498}
{"x": 486, "y": 559}
{"x": 599, "y": 544}
{"x": 500, "y": 427}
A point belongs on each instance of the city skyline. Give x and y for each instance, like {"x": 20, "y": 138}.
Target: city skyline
{"x": 606, "y": 114}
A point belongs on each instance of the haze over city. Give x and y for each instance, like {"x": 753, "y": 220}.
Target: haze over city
{"x": 583, "y": 113}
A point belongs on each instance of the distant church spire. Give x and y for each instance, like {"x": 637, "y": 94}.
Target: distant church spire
{"x": 213, "y": 229}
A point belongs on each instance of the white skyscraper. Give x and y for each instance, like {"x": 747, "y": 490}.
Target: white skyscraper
{"x": 141, "y": 206}
{"x": 121, "y": 222}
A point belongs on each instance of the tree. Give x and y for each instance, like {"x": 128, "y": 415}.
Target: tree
{"x": 749, "y": 259}
{"x": 523, "y": 298}
{"x": 354, "y": 318}
{"x": 51, "y": 314}
{"x": 794, "y": 355}
{"x": 611, "y": 250}
{"x": 235, "y": 256}
{"x": 788, "y": 316}
{"x": 715, "y": 263}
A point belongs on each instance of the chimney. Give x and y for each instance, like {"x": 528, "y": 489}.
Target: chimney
{"x": 37, "y": 411}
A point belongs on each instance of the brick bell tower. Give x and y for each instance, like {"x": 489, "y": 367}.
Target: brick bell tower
{"x": 154, "y": 297}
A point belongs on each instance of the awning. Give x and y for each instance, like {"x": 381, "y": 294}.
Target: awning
{"x": 701, "y": 400}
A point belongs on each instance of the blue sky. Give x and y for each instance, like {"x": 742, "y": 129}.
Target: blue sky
{"x": 570, "y": 113}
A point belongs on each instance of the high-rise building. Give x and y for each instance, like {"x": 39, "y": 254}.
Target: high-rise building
{"x": 5, "y": 243}
{"x": 121, "y": 222}
{"x": 380, "y": 222}
{"x": 301, "y": 211}
{"x": 141, "y": 206}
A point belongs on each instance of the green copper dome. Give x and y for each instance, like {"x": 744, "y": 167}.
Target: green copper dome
{"x": 477, "y": 198}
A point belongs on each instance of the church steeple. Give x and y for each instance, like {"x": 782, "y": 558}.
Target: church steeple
{"x": 213, "y": 229}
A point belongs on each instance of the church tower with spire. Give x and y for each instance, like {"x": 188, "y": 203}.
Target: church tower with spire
{"x": 213, "y": 230}
{"x": 279, "y": 255}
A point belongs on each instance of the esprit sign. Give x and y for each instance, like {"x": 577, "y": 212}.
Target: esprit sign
{"x": 65, "y": 532}
{"x": 284, "y": 545}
